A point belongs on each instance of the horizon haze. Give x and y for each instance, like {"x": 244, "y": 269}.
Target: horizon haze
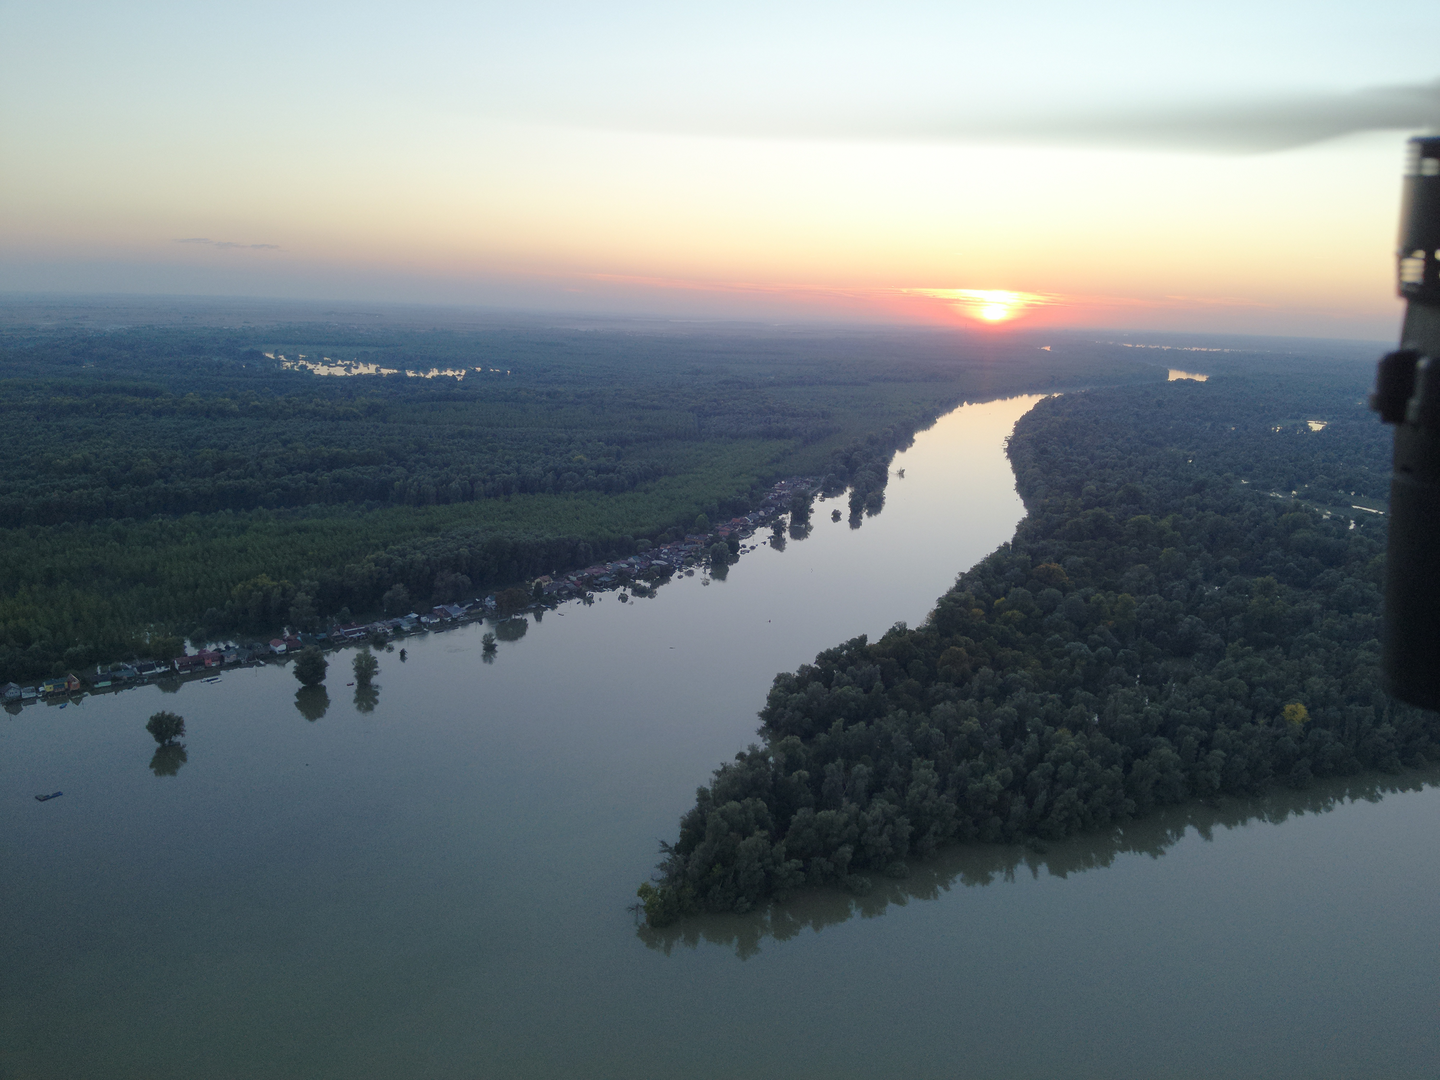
{"x": 1231, "y": 171}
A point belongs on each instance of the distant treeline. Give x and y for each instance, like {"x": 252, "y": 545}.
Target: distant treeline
{"x": 1157, "y": 631}
{"x": 164, "y": 483}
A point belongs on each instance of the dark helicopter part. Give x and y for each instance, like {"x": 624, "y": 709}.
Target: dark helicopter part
{"x": 1407, "y": 394}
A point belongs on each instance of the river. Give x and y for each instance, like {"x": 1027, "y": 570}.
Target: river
{"x": 439, "y": 887}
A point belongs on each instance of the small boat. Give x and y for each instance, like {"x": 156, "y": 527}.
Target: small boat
{"x": 47, "y": 798}
{"x": 213, "y": 678}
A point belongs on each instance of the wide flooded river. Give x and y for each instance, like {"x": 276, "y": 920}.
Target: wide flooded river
{"x": 439, "y": 887}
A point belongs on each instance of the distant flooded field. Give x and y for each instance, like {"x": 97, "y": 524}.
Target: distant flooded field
{"x": 433, "y": 880}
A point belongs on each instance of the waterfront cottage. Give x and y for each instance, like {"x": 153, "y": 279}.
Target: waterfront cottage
{"x": 70, "y": 684}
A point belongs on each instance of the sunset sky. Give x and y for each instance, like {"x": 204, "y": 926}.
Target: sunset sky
{"x": 1141, "y": 165}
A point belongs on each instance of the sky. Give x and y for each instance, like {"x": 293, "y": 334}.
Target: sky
{"x": 1226, "y": 167}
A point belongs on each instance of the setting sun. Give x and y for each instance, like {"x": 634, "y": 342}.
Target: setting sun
{"x": 987, "y": 305}
{"x": 996, "y": 310}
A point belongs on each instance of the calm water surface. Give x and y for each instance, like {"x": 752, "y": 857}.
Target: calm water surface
{"x": 439, "y": 888}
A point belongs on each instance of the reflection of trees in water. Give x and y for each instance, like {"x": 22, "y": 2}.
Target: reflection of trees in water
{"x": 366, "y": 698}
{"x": 168, "y": 759}
{"x": 984, "y": 864}
{"x": 312, "y": 701}
{"x": 512, "y": 629}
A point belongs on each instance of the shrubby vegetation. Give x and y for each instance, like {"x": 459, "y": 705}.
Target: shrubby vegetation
{"x": 161, "y": 483}
{"x": 1157, "y": 631}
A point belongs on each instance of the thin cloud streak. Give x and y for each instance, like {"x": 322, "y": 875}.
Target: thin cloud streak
{"x": 227, "y": 244}
{"x": 1255, "y": 126}
{"x": 1259, "y": 124}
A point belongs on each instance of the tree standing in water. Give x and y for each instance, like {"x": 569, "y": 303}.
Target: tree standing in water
{"x": 310, "y": 666}
{"x": 365, "y": 666}
{"x": 166, "y": 727}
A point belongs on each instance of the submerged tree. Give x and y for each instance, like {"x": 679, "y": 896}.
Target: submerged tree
{"x": 365, "y": 666}
{"x": 512, "y": 629}
{"x": 166, "y": 727}
{"x": 487, "y": 642}
{"x": 310, "y": 666}
{"x": 801, "y": 505}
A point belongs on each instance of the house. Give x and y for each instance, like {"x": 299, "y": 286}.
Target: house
{"x": 183, "y": 664}
{"x": 278, "y": 646}
{"x": 10, "y": 692}
{"x": 68, "y": 685}
{"x": 211, "y": 657}
{"x": 448, "y": 611}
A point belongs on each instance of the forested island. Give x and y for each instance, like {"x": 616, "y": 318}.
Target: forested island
{"x": 1189, "y": 610}
{"x": 168, "y": 482}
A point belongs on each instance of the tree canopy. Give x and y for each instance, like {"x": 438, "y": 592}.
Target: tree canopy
{"x": 310, "y": 666}
{"x": 166, "y": 727}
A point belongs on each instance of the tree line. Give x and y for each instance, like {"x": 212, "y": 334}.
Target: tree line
{"x": 163, "y": 483}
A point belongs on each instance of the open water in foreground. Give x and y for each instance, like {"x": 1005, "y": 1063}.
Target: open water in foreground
{"x": 439, "y": 887}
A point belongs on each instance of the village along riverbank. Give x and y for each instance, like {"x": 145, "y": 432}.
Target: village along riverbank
{"x": 435, "y": 882}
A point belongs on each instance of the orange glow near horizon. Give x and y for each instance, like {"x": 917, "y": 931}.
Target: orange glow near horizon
{"x": 986, "y": 305}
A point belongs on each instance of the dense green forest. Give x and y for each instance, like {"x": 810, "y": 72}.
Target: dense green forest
{"x": 168, "y": 482}
{"x": 1180, "y": 615}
